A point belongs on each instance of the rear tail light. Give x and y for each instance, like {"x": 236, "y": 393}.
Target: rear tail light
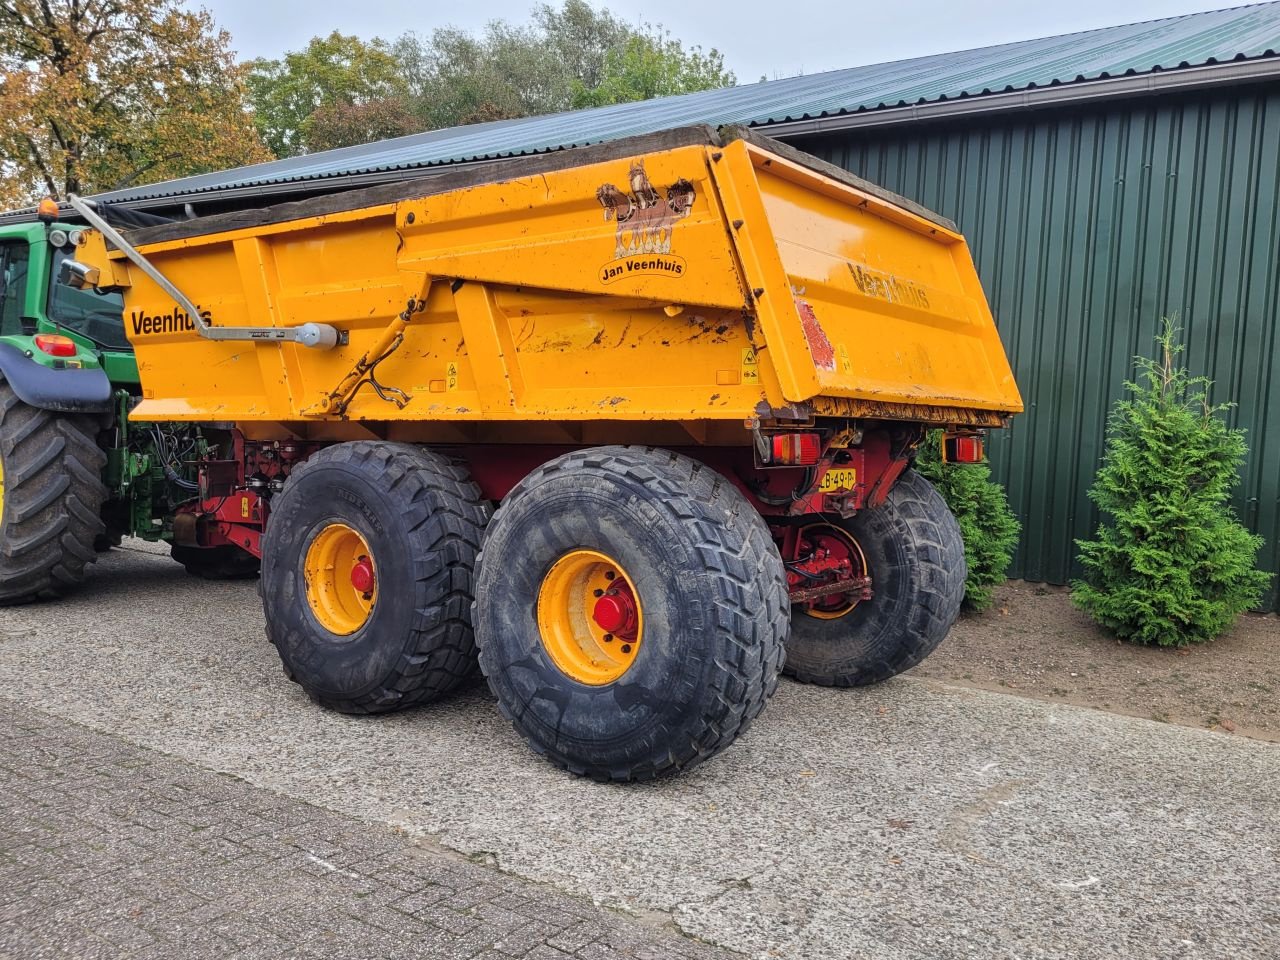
{"x": 56, "y": 345}
{"x": 795, "y": 449}
{"x": 965, "y": 449}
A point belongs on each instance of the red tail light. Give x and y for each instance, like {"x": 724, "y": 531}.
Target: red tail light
{"x": 795, "y": 449}
{"x": 56, "y": 345}
{"x": 966, "y": 449}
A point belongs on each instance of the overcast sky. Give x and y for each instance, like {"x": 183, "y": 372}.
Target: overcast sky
{"x": 772, "y": 38}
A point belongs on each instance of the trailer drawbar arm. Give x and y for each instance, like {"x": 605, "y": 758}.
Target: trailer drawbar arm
{"x": 321, "y": 336}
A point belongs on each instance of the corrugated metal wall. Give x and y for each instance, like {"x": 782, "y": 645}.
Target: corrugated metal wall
{"x": 1087, "y": 228}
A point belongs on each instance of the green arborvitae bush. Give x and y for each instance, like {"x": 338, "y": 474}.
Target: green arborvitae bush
{"x": 989, "y": 528}
{"x": 1170, "y": 564}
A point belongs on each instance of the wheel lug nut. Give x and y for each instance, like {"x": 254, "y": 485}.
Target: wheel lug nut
{"x": 609, "y": 575}
{"x": 626, "y": 648}
{"x": 608, "y": 637}
{"x": 598, "y": 593}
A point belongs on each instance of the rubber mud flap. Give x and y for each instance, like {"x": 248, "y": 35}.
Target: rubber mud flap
{"x": 710, "y": 589}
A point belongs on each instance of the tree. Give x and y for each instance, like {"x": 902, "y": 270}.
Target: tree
{"x": 567, "y": 57}
{"x": 341, "y": 124}
{"x": 336, "y": 70}
{"x": 1171, "y": 564}
{"x": 580, "y": 38}
{"x": 341, "y": 91}
{"x": 102, "y": 94}
{"x": 653, "y": 63}
{"x": 981, "y": 507}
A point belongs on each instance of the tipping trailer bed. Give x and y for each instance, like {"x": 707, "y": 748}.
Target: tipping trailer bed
{"x": 672, "y": 277}
{"x": 672, "y": 385}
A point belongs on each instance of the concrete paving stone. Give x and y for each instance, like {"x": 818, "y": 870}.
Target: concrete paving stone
{"x": 240, "y": 928}
{"x": 597, "y": 951}
{"x": 423, "y": 899}
{"x": 85, "y": 886}
{"x": 456, "y": 922}
{"x": 573, "y": 938}
{"x": 55, "y": 941}
{"x": 523, "y": 937}
{"x": 393, "y": 876}
{"x": 546, "y": 952}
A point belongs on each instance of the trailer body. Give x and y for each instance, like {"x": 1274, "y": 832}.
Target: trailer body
{"x": 630, "y": 426}
{"x": 689, "y": 282}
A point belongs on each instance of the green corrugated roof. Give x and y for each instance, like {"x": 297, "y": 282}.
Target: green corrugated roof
{"x": 1221, "y": 36}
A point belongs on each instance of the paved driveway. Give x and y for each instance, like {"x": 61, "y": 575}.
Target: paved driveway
{"x": 909, "y": 820}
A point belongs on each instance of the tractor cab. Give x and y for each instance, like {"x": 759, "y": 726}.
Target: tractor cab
{"x": 53, "y": 324}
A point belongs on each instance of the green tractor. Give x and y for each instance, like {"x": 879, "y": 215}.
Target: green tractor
{"x": 75, "y": 476}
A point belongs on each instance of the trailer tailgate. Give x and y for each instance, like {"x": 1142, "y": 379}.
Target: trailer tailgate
{"x": 858, "y": 297}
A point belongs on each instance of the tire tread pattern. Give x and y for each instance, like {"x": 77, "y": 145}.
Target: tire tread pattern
{"x": 917, "y": 512}
{"x": 53, "y": 496}
{"x": 746, "y": 643}
{"x": 443, "y": 511}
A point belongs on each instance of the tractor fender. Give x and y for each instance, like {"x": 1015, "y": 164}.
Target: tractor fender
{"x": 62, "y": 391}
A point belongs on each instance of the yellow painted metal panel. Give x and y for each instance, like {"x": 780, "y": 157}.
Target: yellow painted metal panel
{"x": 865, "y": 300}
{"x": 685, "y": 284}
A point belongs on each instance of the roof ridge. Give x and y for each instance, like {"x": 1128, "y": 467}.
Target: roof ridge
{"x": 1017, "y": 43}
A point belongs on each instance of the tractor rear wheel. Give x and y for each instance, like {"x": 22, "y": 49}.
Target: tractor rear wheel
{"x": 912, "y": 549}
{"x": 367, "y": 575}
{"x": 51, "y": 492}
{"x": 631, "y": 609}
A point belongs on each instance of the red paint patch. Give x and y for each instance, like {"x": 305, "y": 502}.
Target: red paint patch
{"x": 824, "y": 355}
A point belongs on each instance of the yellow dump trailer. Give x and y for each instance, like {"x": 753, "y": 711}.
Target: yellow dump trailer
{"x": 633, "y": 423}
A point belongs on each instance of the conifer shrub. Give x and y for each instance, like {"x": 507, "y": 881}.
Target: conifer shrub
{"x": 989, "y": 528}
{"x": 1170, "y": 563}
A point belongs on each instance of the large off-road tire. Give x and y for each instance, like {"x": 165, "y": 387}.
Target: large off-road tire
{"x": 698, "y": 657}
{"x": 418, "y": 519}
{"x": 223, "y": 562}
{"x": 915, "y": 557}
{"x": 51, "y": 492}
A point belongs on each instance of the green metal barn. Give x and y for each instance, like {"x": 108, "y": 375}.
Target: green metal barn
{"x": 1105, "y": 179}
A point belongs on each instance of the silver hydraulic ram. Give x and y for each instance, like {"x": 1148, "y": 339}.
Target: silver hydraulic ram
{"x": 321, "y": 336}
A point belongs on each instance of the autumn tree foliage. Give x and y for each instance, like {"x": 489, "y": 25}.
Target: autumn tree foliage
{"x": 342, "y": 90}
{"x": 103, "y": 94}
{"x": 357, "y": 84}
{"x": 652, "y": 63}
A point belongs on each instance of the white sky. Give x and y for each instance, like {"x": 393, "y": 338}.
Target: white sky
{"x": 758, "y": 37}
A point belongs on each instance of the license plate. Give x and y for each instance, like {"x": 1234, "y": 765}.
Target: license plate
{"x": 840, "y": 478}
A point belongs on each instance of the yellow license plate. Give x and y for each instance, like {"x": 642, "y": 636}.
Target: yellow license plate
{"x": 840, "y": 478}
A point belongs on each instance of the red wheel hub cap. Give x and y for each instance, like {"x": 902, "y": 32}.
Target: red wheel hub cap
{"x": 615, "y": 612}
{"x": 362, "y": 575}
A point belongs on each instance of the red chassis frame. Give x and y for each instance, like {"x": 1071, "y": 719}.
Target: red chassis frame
{"x": 233, "y": 506}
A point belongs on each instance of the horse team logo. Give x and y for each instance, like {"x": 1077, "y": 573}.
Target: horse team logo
{"x": 646, "y": 221}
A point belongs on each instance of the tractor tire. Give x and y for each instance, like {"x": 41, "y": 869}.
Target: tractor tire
{"x": 411, "y": 521}
{"x": 216, "y": 563}
{"x": 707, "y": 620}
{"x": 51, "y": 492}
{"x": 915, "y": 557}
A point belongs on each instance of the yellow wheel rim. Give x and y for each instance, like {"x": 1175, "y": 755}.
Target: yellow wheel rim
{"x": 341, "y": 579}
{"x": 856, "y": 555}
{"x": 589, "y": 617}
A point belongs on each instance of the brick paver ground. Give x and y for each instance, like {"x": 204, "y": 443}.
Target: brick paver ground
{"x": 111, "y": 850}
